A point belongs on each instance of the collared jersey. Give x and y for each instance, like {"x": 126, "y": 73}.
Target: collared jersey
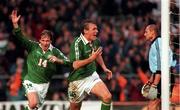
{"x": 155, "y": 56}
{"x": 39, "y": 68}
{"x": 81, "y": 49}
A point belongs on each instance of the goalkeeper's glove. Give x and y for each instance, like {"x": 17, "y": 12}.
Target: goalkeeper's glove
{"x": 145, "y": 89}
{"x": 149, "y": 91}
{"x": 153, "y": 92}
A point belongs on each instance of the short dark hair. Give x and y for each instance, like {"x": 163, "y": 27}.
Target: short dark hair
{"x": 48, "y": 33}
{"x": 85, "y": 23}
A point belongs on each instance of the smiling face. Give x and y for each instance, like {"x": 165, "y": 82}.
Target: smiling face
{"x": 90, "y": 31}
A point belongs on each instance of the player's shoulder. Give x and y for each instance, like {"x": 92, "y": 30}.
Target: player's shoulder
{"x": 77, "y": 40}
{"x": 55, "y": 49}
{"x": 34, "y": 43}
{"x": 159, "y": 39}
{"x": 97, "y": 40}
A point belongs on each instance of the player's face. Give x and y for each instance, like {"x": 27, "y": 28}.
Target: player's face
{"x": 148, "y": 34}
{"x": 92, "y": 31}
{"x": 45, "y": 42}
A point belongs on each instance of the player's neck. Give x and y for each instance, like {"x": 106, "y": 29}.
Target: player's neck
{"x": 44, "y": 49}
{"x": 87, "y": 37}
{"x": 154, "y": 37}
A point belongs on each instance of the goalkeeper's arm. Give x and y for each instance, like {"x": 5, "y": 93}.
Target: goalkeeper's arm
{"x": 157, "y": 77}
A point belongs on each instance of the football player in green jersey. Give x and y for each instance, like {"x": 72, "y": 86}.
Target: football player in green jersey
{"x": 84, "y": 80}
{"x": 41, "y": 63}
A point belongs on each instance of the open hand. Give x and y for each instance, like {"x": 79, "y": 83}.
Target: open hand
{"x": 108, "y": 73}
{"x": 15, "y": 18}
{"x": 52, "y": 58}
{"x": 96, "y": 53}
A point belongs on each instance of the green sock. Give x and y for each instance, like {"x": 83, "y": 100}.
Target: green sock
{"x": 105, "y": 106}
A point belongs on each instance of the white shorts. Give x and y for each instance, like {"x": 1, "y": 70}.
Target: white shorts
{"x": 79, "y": 89}
{"x": 41, "y": 89}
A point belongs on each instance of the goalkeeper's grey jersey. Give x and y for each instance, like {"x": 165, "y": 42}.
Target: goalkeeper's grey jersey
{"x": 155, "y": 56}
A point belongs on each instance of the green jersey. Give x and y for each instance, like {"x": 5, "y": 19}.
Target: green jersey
{"x": 81, "y": 49}
{"x": 39, "y": 68}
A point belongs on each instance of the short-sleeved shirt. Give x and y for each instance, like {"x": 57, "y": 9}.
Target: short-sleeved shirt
{"x": 82, "y": 49}
{"x": 39, "y": 68}
{"x": 155, "y": 56}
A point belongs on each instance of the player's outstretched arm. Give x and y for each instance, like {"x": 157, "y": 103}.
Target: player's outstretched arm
{"x": 15, "y": 18}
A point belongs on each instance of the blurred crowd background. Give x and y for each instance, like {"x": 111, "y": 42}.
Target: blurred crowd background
{"x": 121, "y": 26}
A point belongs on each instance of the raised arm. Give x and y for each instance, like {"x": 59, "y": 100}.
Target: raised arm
{"x": 28, "y": 44}
{"x": 15, "y": 18}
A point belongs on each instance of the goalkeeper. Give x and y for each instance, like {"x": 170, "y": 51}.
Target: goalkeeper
{"x": 41, "y": 64}
{"x": 154, "y": 91}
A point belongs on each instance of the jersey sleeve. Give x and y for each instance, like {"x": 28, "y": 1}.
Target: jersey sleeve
{"x": 153, "y": 63}
{"x": 158, "y": 50}
{"x": 60, "y": 55}
{"x": 75, "y": 51}
{"x": 28, "y": 44}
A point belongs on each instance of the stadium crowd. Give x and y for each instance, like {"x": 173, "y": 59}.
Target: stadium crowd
{"x": 121, "y": 28}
